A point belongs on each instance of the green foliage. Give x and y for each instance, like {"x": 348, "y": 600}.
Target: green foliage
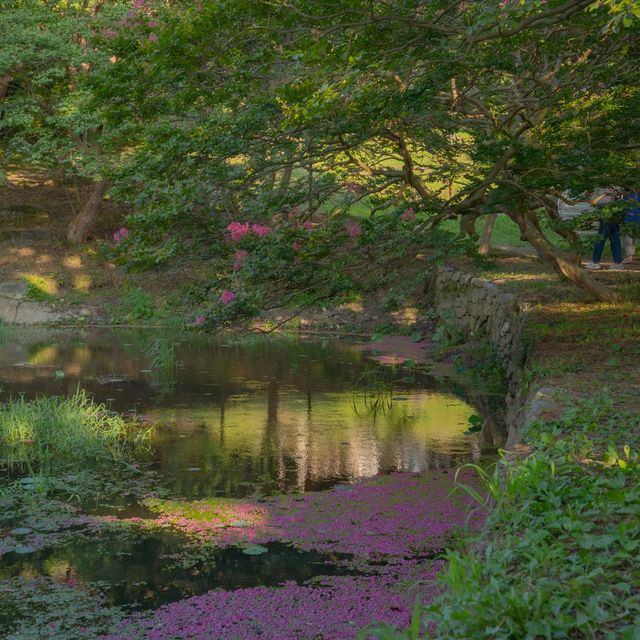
{"x": 48, "y": 435}
{"x": 332, "y": 125}
{"x": 163, "y": 365}
{"x": 135, "y": 305}
{"x": 45, "y": 62}
{"x": 558, "y": 558}
{"x": 207, "y": 114}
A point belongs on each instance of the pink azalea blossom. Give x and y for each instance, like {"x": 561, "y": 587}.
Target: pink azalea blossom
{"x": 111, "y": 34}
{"x": 354, "y": 230}
{"x": 120, "y": 234}
{"x": 227, "y": 297}
{"x": 297, "y": 246}
{"x": 308, "y": 225}
{"x": 153, "y": 37}
{"x": 199, "y": 321}
{"x": 240, "y": 255}
{"x": 237, "y": 230}
{"x": 260, "y": 230}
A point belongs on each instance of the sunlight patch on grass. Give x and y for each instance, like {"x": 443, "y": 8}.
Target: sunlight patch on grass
{"x": 73, "y": 262}
{"x": 41, "y": 288}
{"x": 82, "y": 282}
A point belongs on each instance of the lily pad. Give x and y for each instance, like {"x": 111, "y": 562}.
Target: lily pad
{"x": 45, "y": 525}
{"x": 23, "y": 549}
{"x": 240, "y": 524}
{"x": 59, "y": 373}
{"x": 20, "y": 531}
{"x": 255, "y": 550}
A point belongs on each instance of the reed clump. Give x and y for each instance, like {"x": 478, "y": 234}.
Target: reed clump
{"x": 53, "y": 434}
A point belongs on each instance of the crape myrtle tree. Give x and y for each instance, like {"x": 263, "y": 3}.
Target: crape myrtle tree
{"x": 47, "y": 118}
{"x": 293, "y": 116}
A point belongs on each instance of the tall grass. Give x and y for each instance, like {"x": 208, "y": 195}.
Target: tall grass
{"x": 53, "y": 434}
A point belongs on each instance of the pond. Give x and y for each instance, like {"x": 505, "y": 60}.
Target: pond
{"x": 246, "y": 423}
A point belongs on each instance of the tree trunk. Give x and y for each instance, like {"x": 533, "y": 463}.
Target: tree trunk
{"x": 561, "y": 263}
{"x": 5, "y": 81}
{"x": 468, "y": 224}
{"x": 77, "y": 231}
{"x": 485, "y": 241}
{"x": 285, "y": 180}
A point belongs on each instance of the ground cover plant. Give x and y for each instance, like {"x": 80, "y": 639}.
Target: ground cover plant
{"x": 558, "y": 556}
{"x": 60, "y": 456}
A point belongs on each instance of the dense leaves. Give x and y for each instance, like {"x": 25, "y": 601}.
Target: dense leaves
{"x": 202, "y": 115}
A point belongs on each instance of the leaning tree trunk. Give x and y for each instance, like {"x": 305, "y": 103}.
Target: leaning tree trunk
{"x": 561, "y": 263}
{"x": 78, "y": 229}
{"x": 485, "y": 240}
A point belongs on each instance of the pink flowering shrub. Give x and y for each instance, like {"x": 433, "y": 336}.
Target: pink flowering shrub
{"x": 227, "y": 297}
{"x": 237, "y": 230}
{"x": 120, "y": 235}
{"x": 409, "y": 215}
{"x": 240, "y": 255}
{"x": 260, "y": 230}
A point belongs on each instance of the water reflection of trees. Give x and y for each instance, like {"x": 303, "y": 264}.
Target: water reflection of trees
{"x": 248, "y": 416}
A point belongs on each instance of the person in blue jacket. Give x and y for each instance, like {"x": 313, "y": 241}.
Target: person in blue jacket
{"x": 632, "y": 216}
{"x": 607, "y": 230}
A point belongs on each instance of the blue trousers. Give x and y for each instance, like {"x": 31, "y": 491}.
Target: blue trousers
{"x": 609, "y": 231}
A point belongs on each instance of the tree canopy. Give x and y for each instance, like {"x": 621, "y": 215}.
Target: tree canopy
{"x": 308, "y": 148}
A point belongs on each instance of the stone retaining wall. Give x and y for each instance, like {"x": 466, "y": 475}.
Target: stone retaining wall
{"x": 473, "y": 308}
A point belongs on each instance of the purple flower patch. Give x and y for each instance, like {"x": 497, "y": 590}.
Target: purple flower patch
{"x": 388, "y": 525}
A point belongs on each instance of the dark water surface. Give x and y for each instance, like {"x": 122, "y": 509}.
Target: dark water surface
{"x": 266, "y": 412}
{"x": 235, "y": 418}
{"x": 147, "y": 571}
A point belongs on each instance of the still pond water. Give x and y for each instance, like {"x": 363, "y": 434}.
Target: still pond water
{"x": 236, "y": 417}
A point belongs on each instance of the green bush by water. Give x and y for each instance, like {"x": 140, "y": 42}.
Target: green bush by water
{"x": 52, "y": 434}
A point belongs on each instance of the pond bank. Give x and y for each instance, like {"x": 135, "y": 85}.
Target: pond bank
{"x": 558, "y": 556}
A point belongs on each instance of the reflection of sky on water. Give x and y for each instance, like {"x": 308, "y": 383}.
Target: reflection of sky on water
{"x": 262, "y": 414}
